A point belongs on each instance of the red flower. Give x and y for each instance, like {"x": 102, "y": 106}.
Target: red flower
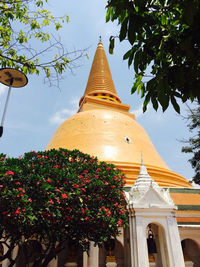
{"x": 120, "y": 222}
{"x": 109, "y": 168}
{"x": 83, "y": 211}
{"x": 9, "y": 173}
{"x": 98, "y": 170}
{"x": 23, "y": 210}
{"x": 18, "y": 183}
{"x": 30, "y": 200}
{"x": 75, "y": 186}
{"x": 64, "y": 196}
{"x": 17, "y": 211}
{"x": 51, "y": 201}
{"x": 48, "y": 180}
{"x": 56, "y": 166}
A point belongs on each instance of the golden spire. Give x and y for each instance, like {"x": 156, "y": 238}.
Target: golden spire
{"x": 100, "y": 82}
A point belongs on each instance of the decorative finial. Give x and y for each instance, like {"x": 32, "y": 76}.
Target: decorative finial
{"x": 100, "y": 39}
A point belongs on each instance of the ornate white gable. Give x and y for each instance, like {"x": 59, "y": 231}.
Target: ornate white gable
{"x": 146, "y": 193}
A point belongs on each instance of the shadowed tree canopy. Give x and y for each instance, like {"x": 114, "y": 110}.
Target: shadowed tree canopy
{"x": 28, "y": 39}
{"x": 164, "y": 36}
{"x": 193, "y": 146}
{"x": 55, "y": 196}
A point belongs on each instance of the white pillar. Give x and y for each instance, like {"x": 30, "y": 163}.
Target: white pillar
{"x": 175, "y": 248}
{"x": 133, "y": 240}
{"x": 142, "y": 253}
{"x": 93, "y": 259}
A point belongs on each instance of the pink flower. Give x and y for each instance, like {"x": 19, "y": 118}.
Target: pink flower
{"x": 9, "y": 173}
{"x": 86, "y": 218}
{"x": 23, "y": 210}
{"x": 30, "y": 200}
{"x": 1, "y": 186}
{"x": 83, "y": 211}
{"x": 116, "y": 204}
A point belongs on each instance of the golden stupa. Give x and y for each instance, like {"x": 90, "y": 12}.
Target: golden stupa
{"x": 103, "y": 127}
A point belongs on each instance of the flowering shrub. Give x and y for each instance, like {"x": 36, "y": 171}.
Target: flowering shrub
{"x": 59, "y": 195}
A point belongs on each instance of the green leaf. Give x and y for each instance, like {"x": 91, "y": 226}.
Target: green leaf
{"x": 112, "y": 44}
{"x": 131, "y": 30}
{"x": 123, "y": 30}
{"x": 175, "y": 104}
{"x": 127, "y": 55}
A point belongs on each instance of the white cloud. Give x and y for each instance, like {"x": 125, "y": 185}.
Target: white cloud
{"x": 137, "y": 112}
{"x": 63, "y": 114}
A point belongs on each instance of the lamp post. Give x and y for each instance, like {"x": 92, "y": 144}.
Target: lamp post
{"x": 12, "y": 78}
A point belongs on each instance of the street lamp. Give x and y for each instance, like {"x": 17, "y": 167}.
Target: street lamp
{"x": 12, "y": 78}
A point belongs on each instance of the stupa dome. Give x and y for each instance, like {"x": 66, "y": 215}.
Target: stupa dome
{"x": 103, "y": 127}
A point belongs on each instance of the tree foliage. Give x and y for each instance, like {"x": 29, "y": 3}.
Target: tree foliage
{"x": 25, "y": 40}
{"x": 194, "y": 141}
{"x": 58, "y": 195}
{"x": 164, "y": 37}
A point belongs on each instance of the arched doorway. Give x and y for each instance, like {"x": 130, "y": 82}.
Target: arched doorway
{"x": 157, "y": 247}
{"x": 117, "y": 252}
{"x": 191, "y": 252}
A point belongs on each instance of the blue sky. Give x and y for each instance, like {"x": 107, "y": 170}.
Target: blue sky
{"x": 35, "y": 111}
